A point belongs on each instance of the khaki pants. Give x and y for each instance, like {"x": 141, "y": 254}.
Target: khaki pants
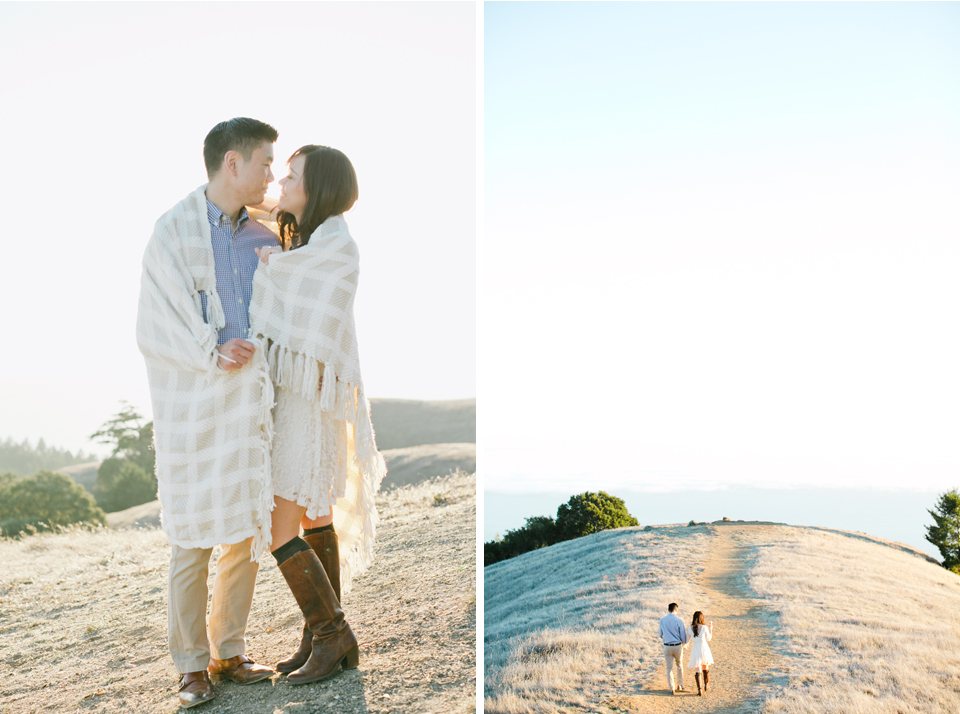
{"x": 671, "y": 655}
{"x": 187, "y": 605}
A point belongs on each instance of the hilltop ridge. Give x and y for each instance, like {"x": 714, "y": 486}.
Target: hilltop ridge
{"x": 808, "y": 621}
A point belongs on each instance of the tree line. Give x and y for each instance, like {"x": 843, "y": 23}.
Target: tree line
{"x": 22, "y": 459}
{"x": 47, "y": 500}
{"x": 582, "y": 515}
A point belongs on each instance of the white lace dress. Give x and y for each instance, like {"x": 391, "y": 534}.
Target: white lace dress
{"x": 312, "y": 465}
{"x": 700, "y": 653}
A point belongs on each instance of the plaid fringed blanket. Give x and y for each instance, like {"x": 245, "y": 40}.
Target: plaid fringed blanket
{"x": 302, "y": 307}
{"x": 212, "y": 428}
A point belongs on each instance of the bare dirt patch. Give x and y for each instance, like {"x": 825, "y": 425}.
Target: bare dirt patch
{"x": 83, "y": 620}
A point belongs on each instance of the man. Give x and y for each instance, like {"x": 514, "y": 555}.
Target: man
{"x": 210, "y": 392}
{"x": 674, "y": 636}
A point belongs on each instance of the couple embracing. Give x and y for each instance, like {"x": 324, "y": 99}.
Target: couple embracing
{"x": 677, "y": 638}
{"x": 261, "y": 424}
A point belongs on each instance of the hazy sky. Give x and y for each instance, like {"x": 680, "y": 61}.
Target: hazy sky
{"x": 721, "y": 245}
{"x": 105, "y": 108}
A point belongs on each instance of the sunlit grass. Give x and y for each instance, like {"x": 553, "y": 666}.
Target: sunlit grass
{"x": 565, "y": 621}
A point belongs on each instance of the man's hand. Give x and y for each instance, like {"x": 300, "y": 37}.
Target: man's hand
{"x": 240, "y": 351}
{"x": 266, "y": 251}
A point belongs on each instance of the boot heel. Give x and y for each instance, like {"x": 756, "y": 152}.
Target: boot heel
{"x": 352, "y": 659}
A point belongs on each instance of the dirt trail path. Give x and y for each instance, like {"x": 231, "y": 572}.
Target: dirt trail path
{"x": 741, "y": 642}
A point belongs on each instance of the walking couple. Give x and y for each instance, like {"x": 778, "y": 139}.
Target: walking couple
{"x": 677, "y": 638}
{"x": 261, "y": 424}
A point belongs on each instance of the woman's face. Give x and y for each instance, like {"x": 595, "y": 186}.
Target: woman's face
{"x": 293, "y": 194}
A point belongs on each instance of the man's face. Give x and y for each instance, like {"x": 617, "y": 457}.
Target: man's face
{"x": 254, "y": 175}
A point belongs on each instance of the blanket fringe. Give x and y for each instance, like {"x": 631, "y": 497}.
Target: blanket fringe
{"x": 300, "y": 373}
{"x": 328, "y": 391}
{"x": 215, "y": 317}
{"x": 360, "y": 557}
{"x": 368, "y": 459}
{"x": 295, "y": 371}
{"x": 262, "y": 538}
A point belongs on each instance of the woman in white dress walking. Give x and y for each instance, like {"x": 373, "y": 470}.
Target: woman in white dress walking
{"x": 701, "y": 657}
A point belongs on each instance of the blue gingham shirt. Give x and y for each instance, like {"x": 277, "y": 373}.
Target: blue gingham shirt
{"x": 672, "y": 630}
{"x": 235, "y": 262}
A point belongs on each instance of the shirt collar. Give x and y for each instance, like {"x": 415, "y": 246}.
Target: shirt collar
{"x": 215, "y": 215}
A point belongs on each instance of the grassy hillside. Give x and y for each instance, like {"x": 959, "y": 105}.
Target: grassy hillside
{"x": 809, "y": 621}
{"x": 400, "y": 423}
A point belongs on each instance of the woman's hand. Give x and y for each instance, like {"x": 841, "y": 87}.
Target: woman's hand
{"x": 266, "y": 251}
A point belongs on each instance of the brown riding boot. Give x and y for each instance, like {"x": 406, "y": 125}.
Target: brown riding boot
{"x": 334, "y": 644}
{"x": 706, "y": 680}
{"x": 327, "y": 547}
{"x": 696, "y": 676}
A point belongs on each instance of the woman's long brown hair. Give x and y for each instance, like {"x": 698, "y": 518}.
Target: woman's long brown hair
{"x": 697, "y": 621}
{"x": 330, "y": 183}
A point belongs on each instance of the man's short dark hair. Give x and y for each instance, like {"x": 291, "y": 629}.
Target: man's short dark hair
{"x": 673, "y": 607}
{"x": 241, "y": 134}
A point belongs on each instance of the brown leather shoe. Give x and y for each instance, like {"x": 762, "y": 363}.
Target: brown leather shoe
{"x": 326, "y": 545}
{"x": 239, "y": 669}
{"x": 334, "y": 644}
{"x": 194, "y": 688}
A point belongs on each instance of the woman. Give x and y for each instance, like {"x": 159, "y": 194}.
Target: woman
{"x": 323, "y": 449}
{"x": 700, "y": 656}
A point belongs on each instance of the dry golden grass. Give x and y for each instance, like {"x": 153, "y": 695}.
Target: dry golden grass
{"x": 864, "y": 627}
{"x": 569, "y": 625}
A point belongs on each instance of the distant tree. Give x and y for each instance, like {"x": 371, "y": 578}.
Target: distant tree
{"x": 122, "y": 484}
{"x": 537, "y": 532}
{"x": 45, "y": 500}
{"x": 581, "y": 515}
{"x": 127, "y": 478}
{"x": 23, "y": 459}
{"x": 493, "y": 552}
{"x": 946, "y": 533}
{"x": 6, "y": 480}
{"x": 130, "y": 436}
{"x": 591, "y": 513}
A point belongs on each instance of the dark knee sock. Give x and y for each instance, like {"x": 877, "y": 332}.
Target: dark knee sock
{"x": 289, "y": 549}
{"x": 321, "y": 529}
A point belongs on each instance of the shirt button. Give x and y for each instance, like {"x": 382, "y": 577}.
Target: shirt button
{"x": 240, "y": 300}
{"x": 235, "y": 271}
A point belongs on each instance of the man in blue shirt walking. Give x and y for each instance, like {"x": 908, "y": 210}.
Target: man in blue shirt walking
{"x": 674, "y": 636}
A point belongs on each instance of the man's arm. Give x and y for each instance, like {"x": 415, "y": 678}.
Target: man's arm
{"x": 170, "y": 327}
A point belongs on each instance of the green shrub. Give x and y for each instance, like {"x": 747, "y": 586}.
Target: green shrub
{"x": 591, "y": 513}
{"x": 122, "y": 483}
{"x": 43, "y": 501}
